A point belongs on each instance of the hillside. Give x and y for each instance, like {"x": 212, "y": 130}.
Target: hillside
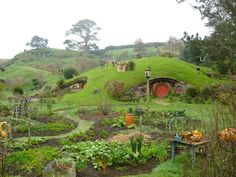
{"x": 2, "y": 61}
{"x": 161, "y": 67}
{"x": 55, "y": 60}
{"x": 45, "y": 66}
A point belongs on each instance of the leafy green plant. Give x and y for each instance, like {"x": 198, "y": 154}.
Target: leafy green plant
{"x": 136, "y": 145}
{"x": 162, "y": 151}
{"x": 19, "y": 145}
{"x": 192, "y": 91}
{"x": 119, "y": 154}
{"x": 31, "y": 159}
{"x": 104, "y": 105}
{"x": 81, "y": 135}
{"x": 53, "y": 126}
{"x": 104, "y": 134}
{"x": 118, "y": 122}
{"x": 106, "y": 122}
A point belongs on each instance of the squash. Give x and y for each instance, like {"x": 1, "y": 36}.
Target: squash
{"x": 228, "y": 135}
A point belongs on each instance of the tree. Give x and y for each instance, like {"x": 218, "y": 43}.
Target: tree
{"x": 194, "y": 48}
{"x": 139, "y": 48}
{"x": 131, "y": 65}
{"x": 86, "y": 30}
{"x": 38, "y": 42}
{"x": 174, "y": 45}
{"x": 221, "y": 16}
{"x": 69, "y": 73}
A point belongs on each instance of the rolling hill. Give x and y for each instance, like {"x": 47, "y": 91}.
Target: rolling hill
{"x": 45, "y": 66}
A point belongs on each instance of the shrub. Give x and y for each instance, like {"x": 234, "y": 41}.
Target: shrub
{"x": 192, "y": 91}
{"x": 18, "y": 90}
{"x": 70, "y": 73}
{"x": 32, "y": 159}
{"x": 206, "y": 92}
{"x": 37, "y": 83}
{"x": 131, "y": 65}
{"x": 115, "y": 88}
{"x": 61, "y": 84}
{"x": 104, "y": 134}
{"x": 104, "y": 105}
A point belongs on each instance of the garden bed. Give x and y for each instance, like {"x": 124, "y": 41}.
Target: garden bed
{"x": 102, "y": 128}
{"x": 120, "y": 171}
{"x": 49, "y": 127}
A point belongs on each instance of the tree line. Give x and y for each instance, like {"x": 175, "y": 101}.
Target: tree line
{"x": 217, "y": 50}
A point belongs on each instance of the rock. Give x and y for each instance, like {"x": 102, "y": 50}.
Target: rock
{"x": 52, "y": 170}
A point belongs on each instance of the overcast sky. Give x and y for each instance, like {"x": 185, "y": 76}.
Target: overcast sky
{"x": 121, "y": 21}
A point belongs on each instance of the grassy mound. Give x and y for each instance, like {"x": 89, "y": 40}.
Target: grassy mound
{"x": 161, "y": 67}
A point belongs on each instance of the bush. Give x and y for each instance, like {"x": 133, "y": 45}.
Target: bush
{"x": 37, "y": 83}
{"x": 32, "y": 159}
{"x": 192, "y": 91}
{"x": 61, "y": 84}
{"x": 104, "y": 105}
{"x": 70, "y": 73}
{"x": 131, "y": 65}
{"x": 115, "y": 88}
{"x": 18, "y": 90}
{"x": 206, "y": 92}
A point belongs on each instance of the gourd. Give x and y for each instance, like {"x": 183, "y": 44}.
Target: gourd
{"x": 228, "y": 135}
{"x": 4, "y": 133}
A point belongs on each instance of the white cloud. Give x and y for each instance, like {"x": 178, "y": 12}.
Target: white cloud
{"x": 122, "y": 21}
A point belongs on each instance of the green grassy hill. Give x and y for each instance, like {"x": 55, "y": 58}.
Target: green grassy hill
{"x": 25, "y": 74}
{"x": 53, "y": 60}
{"x": 45, "y": 65}
{"x": 161, "y": 67}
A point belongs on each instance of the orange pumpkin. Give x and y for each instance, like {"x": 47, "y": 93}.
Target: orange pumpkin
{"x": 197, "y": 135}
{"x": 228, "y": 135}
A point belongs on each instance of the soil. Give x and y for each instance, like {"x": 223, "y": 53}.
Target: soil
{"x": 46, "y": 120}
{"x": 121, "y": 171}
{"x": 97, "y": 128}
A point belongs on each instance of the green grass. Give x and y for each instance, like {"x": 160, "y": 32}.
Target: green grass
{"x": 26, "y": 74}
{"x": 161, "y": 67}
{"x": 166, "y": 169}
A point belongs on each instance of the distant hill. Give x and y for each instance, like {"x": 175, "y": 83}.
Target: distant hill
{"x": 45, "y": 65}
{"x": 126, "y": 52}
{"x": 54, "y": 60}
{"x": 149, "y": 44}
